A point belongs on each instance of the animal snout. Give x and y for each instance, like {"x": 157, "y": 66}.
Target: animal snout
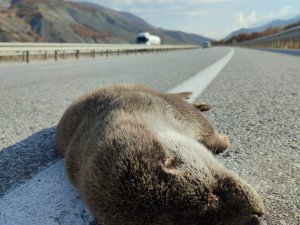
{"x": 258, "y": 219}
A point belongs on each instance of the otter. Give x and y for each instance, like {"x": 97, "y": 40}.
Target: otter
{"x": 139, "y": 156}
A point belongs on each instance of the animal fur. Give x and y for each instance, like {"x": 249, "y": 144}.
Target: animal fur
{"x": 142, "y": 157}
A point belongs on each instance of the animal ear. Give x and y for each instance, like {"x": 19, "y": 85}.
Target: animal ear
{"x": 171, "y": 165}
{"x": 183, "y": 95}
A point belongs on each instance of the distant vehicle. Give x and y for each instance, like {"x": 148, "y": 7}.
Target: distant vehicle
{"x": 148, "y": 39}
{"x": 206, "y": 44}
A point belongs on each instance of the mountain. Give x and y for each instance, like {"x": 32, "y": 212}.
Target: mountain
{"x": 77, "y": 22}
{"x": 187, "y": 38}
{"x": 5, "y": 3}
{"x": 272, "y": 24}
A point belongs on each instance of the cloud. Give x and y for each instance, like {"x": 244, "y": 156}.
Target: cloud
{"x": 170, "y": 10}
{"x": 187, "y": 2}
{"x": 194, "y": 2}
{"x": 195, "y": 12}
{"x": 285, "y": 10}
{"x": 243, "y": 20}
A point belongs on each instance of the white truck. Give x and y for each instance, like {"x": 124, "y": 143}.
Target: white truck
{"x": 206, "y": 44}
{"x": 148, "y": 39}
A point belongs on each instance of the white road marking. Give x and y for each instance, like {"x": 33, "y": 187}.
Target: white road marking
{"x": 49, "y": 199}
{"x": 200, "y": 81}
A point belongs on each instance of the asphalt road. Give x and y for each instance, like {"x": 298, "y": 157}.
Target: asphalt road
{"x": 34, "y": 97}
{"x": 255, "y": 101}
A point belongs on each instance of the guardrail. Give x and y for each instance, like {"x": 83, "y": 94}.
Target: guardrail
{"x": 286, "y": 39}
{"x": 43, "y": 51}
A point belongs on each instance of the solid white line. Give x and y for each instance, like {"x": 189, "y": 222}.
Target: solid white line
{"x": 200, "y": 81}
{"x": 49, "y": 199}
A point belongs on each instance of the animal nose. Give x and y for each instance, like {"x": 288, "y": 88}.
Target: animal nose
{"x": 258, "y": 219}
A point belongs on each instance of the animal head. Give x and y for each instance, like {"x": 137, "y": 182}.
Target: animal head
{"x": 181, "y": 184}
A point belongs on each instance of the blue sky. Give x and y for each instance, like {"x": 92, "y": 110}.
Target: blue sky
{"x": 212, "y": 18}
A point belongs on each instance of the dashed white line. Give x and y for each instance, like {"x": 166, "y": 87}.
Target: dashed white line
{"x": 200, "y": 81}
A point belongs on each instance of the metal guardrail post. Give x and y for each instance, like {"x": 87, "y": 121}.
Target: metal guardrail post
{"x": 23, "y": 56}
{"x": 46, "y": 55}
{"x": 55, "y": 55}
{"x": 94, "y": 54}
{"x": 27, "y": 56}
{"x": 107, "y": 53}
{"x": 77, "y": 54}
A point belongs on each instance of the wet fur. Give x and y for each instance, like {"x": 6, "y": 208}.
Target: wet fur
{"x": 142, "y": 157}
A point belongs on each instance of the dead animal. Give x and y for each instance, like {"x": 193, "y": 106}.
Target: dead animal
{"x": 139, "y": 156}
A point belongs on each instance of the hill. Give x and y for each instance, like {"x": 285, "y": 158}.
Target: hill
{"x": 272, "y": 24}
{"x": 251, "y": 36}
{"x": 63, "y": 21}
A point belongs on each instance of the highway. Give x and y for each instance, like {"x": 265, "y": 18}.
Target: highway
{"x": 255, "y": 99}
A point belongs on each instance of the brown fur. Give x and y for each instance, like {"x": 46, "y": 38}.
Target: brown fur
{"x": 137, "y": 157}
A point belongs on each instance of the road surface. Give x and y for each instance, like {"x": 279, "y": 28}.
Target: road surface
{"x": 255, "y": 99}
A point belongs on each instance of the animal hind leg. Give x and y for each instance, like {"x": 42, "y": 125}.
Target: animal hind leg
{"x": 217, "y": 143}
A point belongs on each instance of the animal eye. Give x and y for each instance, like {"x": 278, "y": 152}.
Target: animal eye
{"x": 219, "y": 194}
{"x": 215, "y": 197}
{"x": 172, "y": 162}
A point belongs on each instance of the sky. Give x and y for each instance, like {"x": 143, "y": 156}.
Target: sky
{"x": 211, "y": 18}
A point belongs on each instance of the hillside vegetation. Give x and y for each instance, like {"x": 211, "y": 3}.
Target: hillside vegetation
{"x": 251, "y": 36}
{"x": 63, "y": 21}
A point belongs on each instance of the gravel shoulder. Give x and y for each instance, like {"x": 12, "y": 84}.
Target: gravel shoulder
{"x": 256, "y": 101}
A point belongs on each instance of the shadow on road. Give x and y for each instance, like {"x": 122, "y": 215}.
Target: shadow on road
{"x": 21, "y": 161}
{"x": 46, "y": 197}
